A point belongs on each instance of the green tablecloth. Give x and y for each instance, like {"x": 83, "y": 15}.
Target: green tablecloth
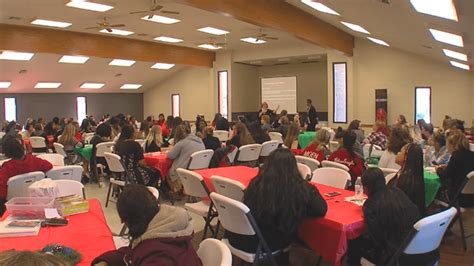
{"x": 305, "y": 138}
{"x": 85, "y": 152}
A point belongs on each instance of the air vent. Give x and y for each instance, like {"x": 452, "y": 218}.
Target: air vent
{"x": 118, "y": 75}
{"x": 14, "y": 18}
{"x": 22, "y": 71}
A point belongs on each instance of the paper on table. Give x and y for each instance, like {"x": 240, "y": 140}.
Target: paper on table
{"x": 50, "y": 213}
{"x": 358, "y": 202}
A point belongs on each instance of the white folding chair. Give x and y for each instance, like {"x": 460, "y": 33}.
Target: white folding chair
{"x": 200, "y": 160}
{"x": 425, "y": 237}
{"x": 38, "y": 145}
{"x": 313, "y": 164}
{"x": 213, "y": 252}
{"x": 236, "y": 218}
{"x": 88, "y": 137}
{"x": 341, "y": 166}
{"x": 222, "y": 135}
{"x": 469, "y": 187}
{"x": 54, "y": 158}
{"x": 276, "y": 136}
{"x": 115, "y": 165}
{"x": 231, "y": 156}
{"x": 102, "y": 148}
{"x": 333, "y": 146}
{"x": 390, "y": 177}
{"x": 248, "y": 153}
{"x": 70, "y": 187}
{"x": 154, "y": 191}
{"x": 18, "y": 185}
{"x": 141, "y": 142}
{"x": 466, "y": 188}
{"x": 69, "y": 172}
{"x": 59, "y": 148}
{"x": 331, "y": 176}
{"x": 228, "y": 187}
{"x": 471, "y": 146}
{"x": 268, "y": 147}
{"x": 305, "y": 171}
{"x": 195, "y": 186}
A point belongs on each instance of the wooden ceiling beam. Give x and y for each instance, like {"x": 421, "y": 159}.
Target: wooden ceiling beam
{"x": 40, "y": 40}
{"x": 280, "y": 15}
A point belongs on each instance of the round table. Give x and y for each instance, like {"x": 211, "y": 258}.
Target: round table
{"x": 85, "y": 152}
{"x": 306, "y": 138}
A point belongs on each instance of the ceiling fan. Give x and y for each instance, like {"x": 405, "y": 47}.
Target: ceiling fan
{"x": 155, "y": 7}
{"x": 216, "y": 44}
{"x": 105, "y": 25}
{"x": 264, "y": 36}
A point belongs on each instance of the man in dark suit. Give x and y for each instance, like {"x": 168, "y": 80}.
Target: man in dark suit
{"x": 312, "y": 119}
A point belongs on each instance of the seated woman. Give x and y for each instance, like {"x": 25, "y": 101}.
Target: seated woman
{"x": 85, "y": 126}
{"x": 265, "y": 121}
{"x": 159, "y": 234}
{"x": 241, "y": 136}
{"x": 410, "y": 178}
{"x": 154, "y": 140}
{"x": 103, "y": 133}
{"x": 461, "y": 163}
{"x": 69, "y": 141}
{"x": 440, "y": 155}
{"x": 354, "y": 126}
{"x": 279, "y": 200}
{"x": 283, "y": 125}
{"x": 185, "y": 144}
{"x": 132, "y": 157}
{"x": 348, "y": 157}
{"x": 398, "y": 138}
{"x": 211, "y": 142}
{"x": 377, "y": 137}
{"x": 258, "y": 134}
{"x": 291, "y": 139}
{"x": 19, "y": 163}
{"x": 318, "y": 149}
{"x": 389, "y": 215}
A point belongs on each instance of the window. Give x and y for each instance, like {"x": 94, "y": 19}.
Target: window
{"x": 81, "y": 108}
{"x": 175, "y": 105}
{"x": 10, "y": 109}
{"x": 340, "y": 92}
{"x": 222, "y": 80}
{"x": 423, "y": 104}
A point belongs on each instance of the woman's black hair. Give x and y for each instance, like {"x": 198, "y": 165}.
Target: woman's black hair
{"x": 137, "y": 206}
{"x": 216, "y": 116}
{"x": 373, "y": 180}
{"x": 85, "y": 125}
{"x": 256, "y": 130}
{"x": 126, "y": 133}
{"x": 354, "y": 125}
{"x": 348, "y": 141}
{"x": 104, "y": 130}
{"x": 411, "y": 177}
{"x": 278, "y": 193}
{"x": 169, "y": 122}
{"x": 176, "y": 122}
{"x": 13, "y": 148}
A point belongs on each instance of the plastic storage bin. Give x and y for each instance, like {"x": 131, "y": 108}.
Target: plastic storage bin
{"x": 29, "y": 208}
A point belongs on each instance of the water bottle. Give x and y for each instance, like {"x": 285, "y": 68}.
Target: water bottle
{"x": 359, "y": 189}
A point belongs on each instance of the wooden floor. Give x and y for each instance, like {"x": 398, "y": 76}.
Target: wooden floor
{"x": 452, "y": 253}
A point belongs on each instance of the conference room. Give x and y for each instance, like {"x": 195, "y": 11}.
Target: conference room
{"x": 212, "y": 132}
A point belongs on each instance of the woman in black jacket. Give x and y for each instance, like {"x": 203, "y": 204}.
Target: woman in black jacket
{"x": 211, "y": 142}
{"x": 279, "y": 200}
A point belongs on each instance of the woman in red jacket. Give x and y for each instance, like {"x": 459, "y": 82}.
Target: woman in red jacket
{"x": 346, "y": 155}
{"x": 160, "y": 234}
{"x": 19, "y": 163}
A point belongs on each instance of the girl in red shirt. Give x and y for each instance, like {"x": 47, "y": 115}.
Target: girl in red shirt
{"x": 318, "y": 149}
{"x": 346, "y": 155}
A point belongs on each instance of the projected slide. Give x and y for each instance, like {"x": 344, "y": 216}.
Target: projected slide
{"x": 281, "y": 92}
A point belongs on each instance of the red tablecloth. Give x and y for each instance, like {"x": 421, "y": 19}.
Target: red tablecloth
{"x": 88, "y": 233}
{"x": 158, "y": 161}
{"x": 328, "y": 235}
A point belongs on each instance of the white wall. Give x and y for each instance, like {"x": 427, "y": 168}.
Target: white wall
{"x": 195, "y": 86}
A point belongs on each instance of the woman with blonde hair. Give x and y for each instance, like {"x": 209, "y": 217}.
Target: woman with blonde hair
{"x": 318, "y": 149}
{"x": 69, "y": 141}
{"x": 154, "y": 140}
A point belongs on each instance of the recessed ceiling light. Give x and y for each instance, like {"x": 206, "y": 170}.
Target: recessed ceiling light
{"x": 210, "y": 46}
{"x": 130, "y": 86}
{"x": 439, "y": 8}
{"x": 121, "y": 62}
{"x": 71, "y": 59}
{"x": 168, "y": 39}
{"x": 117, "y": 32}
{"x": 11, "y": 55}
{"x": 453, "y": 54}
{"x": 161, "y": 19}
{"x": 355, "y": 27}
{"x": 91, "y": 85}
{"x": 50, "y": 23}
{"x": 319, "y": 7}
{"x": 212, "y": 30}
{"x": 377, "y": 41}
{"x": 47, "y": 85}
{"x": 88, "y": 5}
{"x": 460, "y": 65}
{"x": 253, "y": 40}
{"x": 162, "y": 66}
{"x": 5, "y": 84}
{"x": 446, "y": 37}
